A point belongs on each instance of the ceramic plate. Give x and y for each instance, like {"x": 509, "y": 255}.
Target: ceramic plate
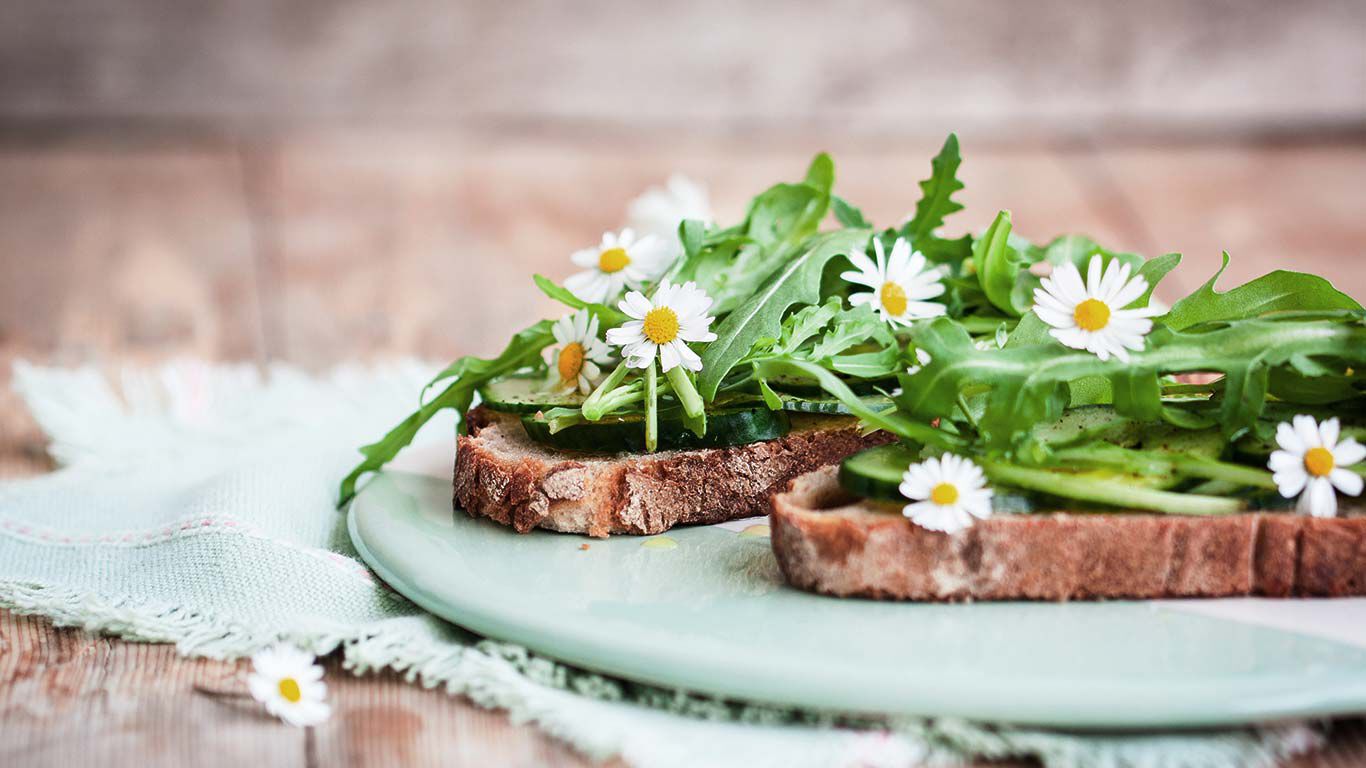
{"x": 706, "y": 609}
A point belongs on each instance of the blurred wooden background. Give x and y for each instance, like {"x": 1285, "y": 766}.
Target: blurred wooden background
{"x": 315, "y": 182}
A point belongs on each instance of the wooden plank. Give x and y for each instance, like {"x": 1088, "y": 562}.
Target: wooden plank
{"x": 120, "y": 253}
{"x": 882, "y": 68}
{"x": 1291, "y": 206}
{"x": 69, "y": 698}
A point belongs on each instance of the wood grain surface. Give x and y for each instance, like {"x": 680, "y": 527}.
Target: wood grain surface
{"x": 868, "y": 67}
{"x": 315, "y": 246}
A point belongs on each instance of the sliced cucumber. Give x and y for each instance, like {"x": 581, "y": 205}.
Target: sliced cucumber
{"x": 804, "y": 386}
{"x": 876, "y": 473}
{"x": 614, "y": 434}
{"x": 830, "y": 405}
{"x": 526, "y": 394}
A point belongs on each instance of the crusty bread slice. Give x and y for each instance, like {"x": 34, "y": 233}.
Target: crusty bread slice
{"x": 503, "y": 475}
{"x": 829, "y": 542}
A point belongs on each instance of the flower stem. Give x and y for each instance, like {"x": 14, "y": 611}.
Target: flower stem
{"x": 594, "y": 407}
{"x": 1121, "y": 495}
{"x": 651, "y": 408}
{"x": 685, "y": 391}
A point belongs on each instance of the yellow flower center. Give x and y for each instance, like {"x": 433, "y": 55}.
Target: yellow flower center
{"x": 893, "y": 299}
{"x": 289, "y": 690}
{"x": 944, "y": 494}
{"x": 570, "y": 361}
{"x": 1092, "y": 315}
{"x": 1318, "y": 461}
{"x": 661, "y": 325}
{"x": 613, "y": 260}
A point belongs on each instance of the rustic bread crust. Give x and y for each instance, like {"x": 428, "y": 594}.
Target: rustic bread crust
{"x": 829, "y": 542}
{"x": 503, "y": 475}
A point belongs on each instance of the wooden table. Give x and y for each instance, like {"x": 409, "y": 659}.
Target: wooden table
{"x": 312, "y": 248}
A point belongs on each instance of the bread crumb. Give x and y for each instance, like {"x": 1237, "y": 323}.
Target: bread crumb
{"x": 583, "y": 546}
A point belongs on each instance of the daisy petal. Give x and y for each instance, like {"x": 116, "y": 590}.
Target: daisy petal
{"x": 1288, "y": 439}
{"x": 1307, "y": 430}
{"x": 1346, "y": 480}
{"x": 1348, "y": 452}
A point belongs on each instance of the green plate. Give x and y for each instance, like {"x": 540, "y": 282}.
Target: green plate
{"x": 706, "y": 609}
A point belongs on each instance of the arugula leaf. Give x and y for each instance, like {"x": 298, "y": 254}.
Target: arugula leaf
{"x": 877, "y": 364}
{"x": 804, "y": 324}
{"x": 854, "y": 326}
{"x": 1281, "y": 290}
{"x": 1028, "y": 385}
{"x": 999, "y": 267}
{"x": 890, "y": 420}
{"x": 936, "y": 201}
{"x": 731, "y": 264}
{"x": 1153, "y": 271}
{"x": 761, "y": 316}
{"x": 466, "y": 374}
{"x": 607, "y": 316}
{"x": 847, "y": 215}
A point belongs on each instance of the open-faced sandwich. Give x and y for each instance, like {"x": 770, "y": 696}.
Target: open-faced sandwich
{"x": 641, "y": 408}
{"x": 1062, "y": 437}
{"x": 1020, "y": 421}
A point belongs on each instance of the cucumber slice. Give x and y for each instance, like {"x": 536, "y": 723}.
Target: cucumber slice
{"x": 830, "y": 405}
{"x": 876, "y": 473}
{"x": 807, "y": 387}
{"x": 526, "y": 394}
{"x": 614, "y": 434}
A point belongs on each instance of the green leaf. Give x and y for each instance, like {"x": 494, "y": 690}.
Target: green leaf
{"x": 1275, "y": 292}
{"x": 1032, "y": 384}
{"x": 761, "y": 316}
{"x": 805, "y": 323}
{"x": 999, "y": 266}
{"x": 607, "y": 316}
{"x": 936, "y": 200}
{"x": 888, "y": 420}
{"x": 1153, "y": 271}
{"x": 848, "y": 216}
{"x": 854, "y": 326}
{"x": 466, "y": 374}
{"x": 731, "y": 264}
{"x": 821, "y": 173}
{"x": 868, "y": 365}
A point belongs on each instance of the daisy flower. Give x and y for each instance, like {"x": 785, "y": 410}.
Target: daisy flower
{"x": 290, "y": 684}
{"x": 659, "y": 211}
{"x": 948, "y": 492}
{"x": 677, "y": 315}
{"x": 900, "y": 285}
{"x": 580, "y": 352}
{"x": 1092, "y": 316}
{"x": 1312, "y": 462}
{"x": 619, "y": 260}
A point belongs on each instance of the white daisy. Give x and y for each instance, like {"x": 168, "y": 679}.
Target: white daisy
{"x": 619, "y": 260}
{"x": 1312, "y": 462}
{"x": 659, "y": 211}
{"x": 900, "y": 285}
{"x": 948, "y": 492}
{"x": 580, "y": 352}
{"x": 677, "y": 315}
{"x": 290, "y": 684}
{"x": 1092, "y": 316}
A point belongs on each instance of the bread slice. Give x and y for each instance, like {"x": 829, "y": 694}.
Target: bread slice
{"x": 503, "y": 475}
{"x": 829, "y": 542}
